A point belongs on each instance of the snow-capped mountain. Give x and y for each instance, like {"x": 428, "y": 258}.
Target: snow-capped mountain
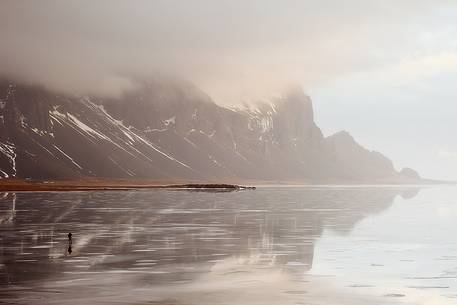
{"x": 173, "y": 131}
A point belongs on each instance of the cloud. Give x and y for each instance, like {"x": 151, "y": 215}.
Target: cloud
{"x": 232, "y": 49}
{"x": 446, "y": 154}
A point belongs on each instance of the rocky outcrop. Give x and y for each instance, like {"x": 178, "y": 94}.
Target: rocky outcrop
{"x": 172, "y": 131}
{"x": 410, "y": 173}
{"x": 350, "y": 160}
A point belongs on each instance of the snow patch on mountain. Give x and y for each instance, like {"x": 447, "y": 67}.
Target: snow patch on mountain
{"x": 86, "y": 128}
{"x": 130, "y": 132}
{"x": 9, "y": 151}
{"x": 10, "y": 91}
{"x": 70, "y": 158}
{"x": 149, "y": 130}
{"x": 5, "y": 175}
{"x": 127, "y": 171}
{"x": 169, "y": 121}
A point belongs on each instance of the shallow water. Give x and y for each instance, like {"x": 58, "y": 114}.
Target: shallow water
{"x": 274, "y": 245}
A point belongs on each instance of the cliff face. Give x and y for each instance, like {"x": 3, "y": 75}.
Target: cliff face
{"x": 173, "y": 131}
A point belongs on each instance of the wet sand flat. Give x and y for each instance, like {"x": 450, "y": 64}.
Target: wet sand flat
{"x": 287, "y": 245}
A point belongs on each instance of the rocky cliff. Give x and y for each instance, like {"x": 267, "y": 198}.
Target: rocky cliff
{"x": 170, "y": 130}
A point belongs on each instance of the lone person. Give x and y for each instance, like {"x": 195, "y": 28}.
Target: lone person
{"x": 69, "y": 243}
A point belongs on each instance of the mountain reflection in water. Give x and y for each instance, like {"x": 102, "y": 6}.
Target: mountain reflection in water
{"x": 179, "y": 247}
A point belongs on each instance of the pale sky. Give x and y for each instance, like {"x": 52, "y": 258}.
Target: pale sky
{"x": 383, "y": 70}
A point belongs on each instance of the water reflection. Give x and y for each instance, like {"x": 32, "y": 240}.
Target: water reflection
{"x": 175, "y": 247}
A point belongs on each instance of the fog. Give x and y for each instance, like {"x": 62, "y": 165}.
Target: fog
{"x": 344, "y": 54}
{"x": 232, "y": 49}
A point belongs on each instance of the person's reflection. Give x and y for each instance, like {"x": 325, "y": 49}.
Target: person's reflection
{"x": 69, "y": 243}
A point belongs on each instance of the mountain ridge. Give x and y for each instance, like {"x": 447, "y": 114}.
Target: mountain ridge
{"x": 173, "y": 130}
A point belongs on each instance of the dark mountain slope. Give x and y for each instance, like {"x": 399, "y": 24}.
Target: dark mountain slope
{"x": 172, "y": 130}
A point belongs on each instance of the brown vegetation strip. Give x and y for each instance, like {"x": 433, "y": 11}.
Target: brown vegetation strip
{"x": 8, "y": 185}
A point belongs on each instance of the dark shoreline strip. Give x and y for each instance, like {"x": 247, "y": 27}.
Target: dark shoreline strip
{"x": 41, "y": 187}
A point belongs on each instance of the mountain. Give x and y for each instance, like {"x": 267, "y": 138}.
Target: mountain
{"x": 171, "y": 130}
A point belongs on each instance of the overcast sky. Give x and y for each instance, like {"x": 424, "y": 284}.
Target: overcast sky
{"x": 383, "y": 70}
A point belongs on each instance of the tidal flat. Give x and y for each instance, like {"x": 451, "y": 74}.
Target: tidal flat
{"x": 272, "y": 245}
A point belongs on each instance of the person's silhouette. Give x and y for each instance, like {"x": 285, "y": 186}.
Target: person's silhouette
{"x": 69, "y": 243}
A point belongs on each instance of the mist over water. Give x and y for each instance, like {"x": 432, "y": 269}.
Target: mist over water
{"x": 281, "y": 245}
